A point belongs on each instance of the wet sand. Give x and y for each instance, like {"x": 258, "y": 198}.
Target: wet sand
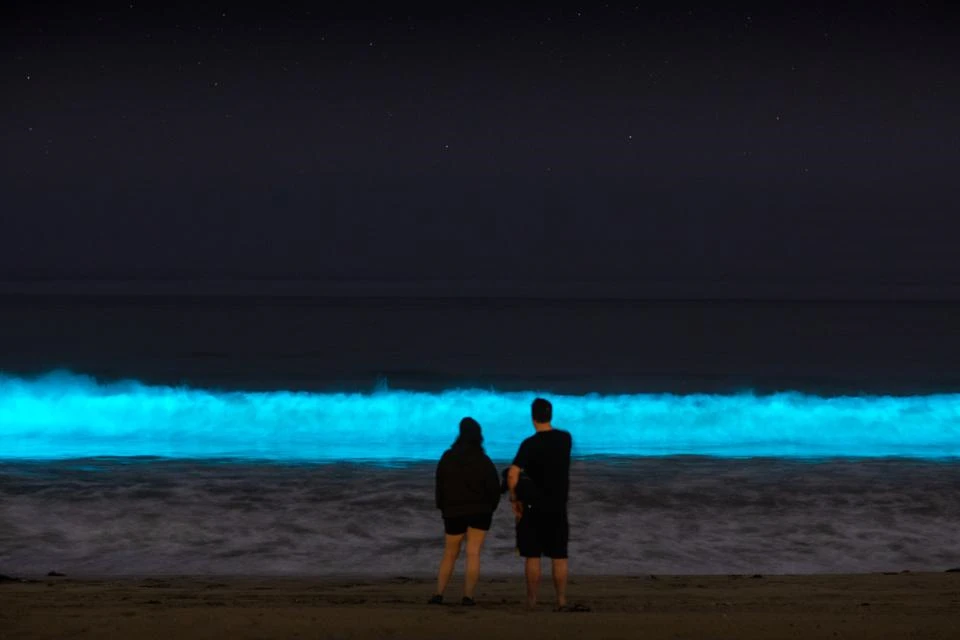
{"x": 899, "y": 605}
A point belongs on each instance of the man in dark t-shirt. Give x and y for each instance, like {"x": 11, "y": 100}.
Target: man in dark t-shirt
{"x": 541, "y": 508}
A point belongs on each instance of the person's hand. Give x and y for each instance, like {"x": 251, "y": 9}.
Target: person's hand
{"x": 517, "y": 509}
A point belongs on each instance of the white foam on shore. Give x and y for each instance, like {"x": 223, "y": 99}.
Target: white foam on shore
{"x": 627, "y": 516}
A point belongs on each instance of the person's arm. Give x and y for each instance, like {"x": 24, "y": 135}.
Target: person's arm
{"x": 513, "y": 478}
{"x": 493, "y": 484}
{"x": 438, "y": 493}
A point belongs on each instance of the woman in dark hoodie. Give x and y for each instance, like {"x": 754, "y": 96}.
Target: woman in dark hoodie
{"x": 468, "y": 492}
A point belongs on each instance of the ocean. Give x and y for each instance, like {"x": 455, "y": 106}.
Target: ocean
{"x": 295, "y": 435}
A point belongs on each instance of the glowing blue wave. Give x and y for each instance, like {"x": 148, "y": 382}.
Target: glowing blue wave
{"x": 64, "y": 415}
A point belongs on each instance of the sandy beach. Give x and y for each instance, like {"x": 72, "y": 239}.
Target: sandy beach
{"x": 894, "y": 605}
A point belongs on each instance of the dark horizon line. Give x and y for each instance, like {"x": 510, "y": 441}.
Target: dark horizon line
{"x": 335, "y": 280}
{"x": 529, "y": 291}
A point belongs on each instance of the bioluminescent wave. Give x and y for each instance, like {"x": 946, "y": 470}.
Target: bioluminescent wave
{"x": 65, "y": 415}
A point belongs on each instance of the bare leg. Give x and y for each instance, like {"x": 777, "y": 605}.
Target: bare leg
{"x": 450, "y": 553}
{"x": 474, "y": 544}
{"x": 560, "y": 581}
{"x": 532, "y": 570}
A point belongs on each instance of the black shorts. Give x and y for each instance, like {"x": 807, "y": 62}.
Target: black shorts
{"x": 458, "y": 525}
{"x": 543, "y": 533}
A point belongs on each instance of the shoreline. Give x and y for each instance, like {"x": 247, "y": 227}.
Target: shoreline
{"x": 875, "y": 605}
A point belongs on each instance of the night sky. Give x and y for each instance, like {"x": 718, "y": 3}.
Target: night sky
{"x": 753, "y": 150}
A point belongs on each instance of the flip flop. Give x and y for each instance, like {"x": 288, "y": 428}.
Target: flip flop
{"x": 573, "y": 608}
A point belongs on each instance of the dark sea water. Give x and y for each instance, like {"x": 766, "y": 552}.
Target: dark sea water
{"x": 685, "y": 464}
{"x": 569, "y": 346}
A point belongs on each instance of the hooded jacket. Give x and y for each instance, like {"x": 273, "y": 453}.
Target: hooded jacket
{"x": 467, "y": 483}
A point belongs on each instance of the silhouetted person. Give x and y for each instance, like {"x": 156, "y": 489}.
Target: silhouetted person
{"x": 541, "y": 509}
{"x": 468, "y": 492}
